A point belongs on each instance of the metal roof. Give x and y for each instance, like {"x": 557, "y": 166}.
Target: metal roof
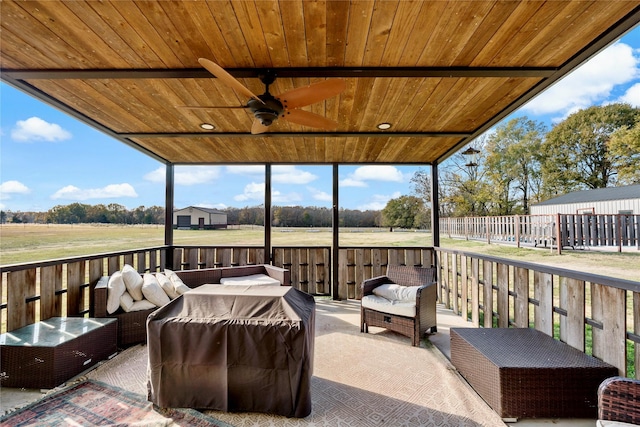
{"x": 596, "y": 195}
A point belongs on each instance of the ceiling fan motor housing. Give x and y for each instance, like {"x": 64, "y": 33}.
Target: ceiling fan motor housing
{"x": 268, "y": 112}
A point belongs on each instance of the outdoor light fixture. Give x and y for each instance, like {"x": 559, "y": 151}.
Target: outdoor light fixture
{"x": 207, "y": 126}
{"x": 384, "y": 126}
{"x": 473, "y": 157}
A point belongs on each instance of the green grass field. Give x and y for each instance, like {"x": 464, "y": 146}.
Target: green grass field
{"x": 21, "y": 243}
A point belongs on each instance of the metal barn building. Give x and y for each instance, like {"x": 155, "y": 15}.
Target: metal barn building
{"x": 613, "y": 200}
{"x": 201, "y": 218}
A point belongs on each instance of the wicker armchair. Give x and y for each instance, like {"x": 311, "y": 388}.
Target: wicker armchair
{"x": 619, "y": 400}
{"x": 425, "y": 304}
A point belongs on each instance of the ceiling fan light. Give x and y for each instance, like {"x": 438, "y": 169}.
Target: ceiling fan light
{"x": 207, "y": 126}
{"x": 384, "y": 126}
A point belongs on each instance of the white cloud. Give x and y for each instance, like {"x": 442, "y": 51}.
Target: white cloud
{"x": 320, "y": 195}
{"x": 350, "y": 182}
{"x": 252, "y": 191}
{"x": 632, "y": 96}
{"x": 111, "y": 191}
{"x": 186, "y": 175}
{"x": 286, "y": 174}
{"x": 590, "y": 84}
{"x": 8, "y": 188}
{"x": 36, "y": 129}
{"x": 158, "y": 175}
{"x": 379, "y": 201}
{"x": 372, "y": 173}
{"x": 286, "y": 199}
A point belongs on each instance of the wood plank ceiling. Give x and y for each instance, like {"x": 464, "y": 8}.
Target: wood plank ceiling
{"x": 441, "y": 72}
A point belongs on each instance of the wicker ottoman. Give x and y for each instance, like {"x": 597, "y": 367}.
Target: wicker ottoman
{"x": 524, "y": 373}
{"x": 48, "y": 353}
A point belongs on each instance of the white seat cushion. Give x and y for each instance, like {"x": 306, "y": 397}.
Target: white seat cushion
{"x": 394, "y": 292}
{"x": 251, "y": 280}
{"x": 399, "y": 308}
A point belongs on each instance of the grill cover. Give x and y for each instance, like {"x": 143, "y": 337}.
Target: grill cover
{"x": 233, "y": 348}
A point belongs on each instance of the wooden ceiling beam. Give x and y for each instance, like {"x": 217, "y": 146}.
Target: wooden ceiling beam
{"x": 344, "y": 72}
{"x": 298, "y": 135}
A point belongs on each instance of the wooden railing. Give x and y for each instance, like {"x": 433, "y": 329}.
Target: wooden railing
{"x": 594, "y": 314}
{"x": 542, "y": 230}
{"x": 36, "y": 291}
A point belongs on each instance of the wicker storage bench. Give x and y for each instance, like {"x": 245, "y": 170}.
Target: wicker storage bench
{"x": 524, "y": 373}
{"x": 45, "y": 354}
{"x": 132, "y": 326}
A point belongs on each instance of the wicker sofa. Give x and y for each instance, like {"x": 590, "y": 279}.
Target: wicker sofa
{"x": 132, "y": 326}
{"x": 424, "y": 302}
{"x": 619, "y": 401}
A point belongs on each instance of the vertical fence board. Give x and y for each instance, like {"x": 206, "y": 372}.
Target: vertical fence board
{"x": 20, "y": 286}
{"x": 177, "y": 259}
{"x": 342, "y": 273}
{"x": 75, "y": 278}
{"x": 114, "y": 264}
{"x": 464, "y": 288}
{"x": 487, "y": 299}
{"x": 50, "y": 282}
{"x": 141, "y": 261}
{"x": 455, "y": 284}
{"x": 128, "y": 259}
{"x": 376, "y": 261}
{"x": 475, "y": 292}
{"x": 446, "y": 291}
{"x": 543, "y": 292}
{"x": 608, "y": 306}
{"x": 521, "y": 300}
{"x": 572, "y": 300}
{"x": 503, "y": 295}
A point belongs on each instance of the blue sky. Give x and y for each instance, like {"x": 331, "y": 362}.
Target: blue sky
{"x": 48, "y": 158}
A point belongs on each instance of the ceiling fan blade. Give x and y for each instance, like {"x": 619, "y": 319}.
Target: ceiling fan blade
{"x": 307, "y": 118}
{"x": 210, "y": 107}
{"x": 258, "y": 128}
{"x": 226, "y": 78}
{"x": 313, "y": 93}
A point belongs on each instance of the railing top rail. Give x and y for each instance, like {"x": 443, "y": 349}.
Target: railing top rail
{"x": 50, "y": 262}
{"x": 627, "y": 285}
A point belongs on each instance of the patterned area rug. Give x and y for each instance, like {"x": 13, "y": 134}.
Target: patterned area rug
{"x": 359, "y": 380}
{"x": 92, "y": 403}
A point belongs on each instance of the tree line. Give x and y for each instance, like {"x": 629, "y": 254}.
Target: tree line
{"x": 283, "y": 216}
{"x": 522, "y": 163}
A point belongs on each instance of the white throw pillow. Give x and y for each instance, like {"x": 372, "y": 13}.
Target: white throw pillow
{"x": 128, "y": 304}
{"x": 251, "y": 280}
{"x": 178, "y": 284}
{"x": 167, "y": 285}
{"x": 394, "y": 292}
{"x": 133, "y": 281}
{"x": 115, "y": 289}
{"x": 152, "y": 291}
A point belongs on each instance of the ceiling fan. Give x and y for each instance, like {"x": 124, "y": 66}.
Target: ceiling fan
{"x": 267, "y": 108}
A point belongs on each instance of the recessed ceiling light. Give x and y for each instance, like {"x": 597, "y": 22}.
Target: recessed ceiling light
{"x": 384, "y": 126}
{"x": 207, "y": 126}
